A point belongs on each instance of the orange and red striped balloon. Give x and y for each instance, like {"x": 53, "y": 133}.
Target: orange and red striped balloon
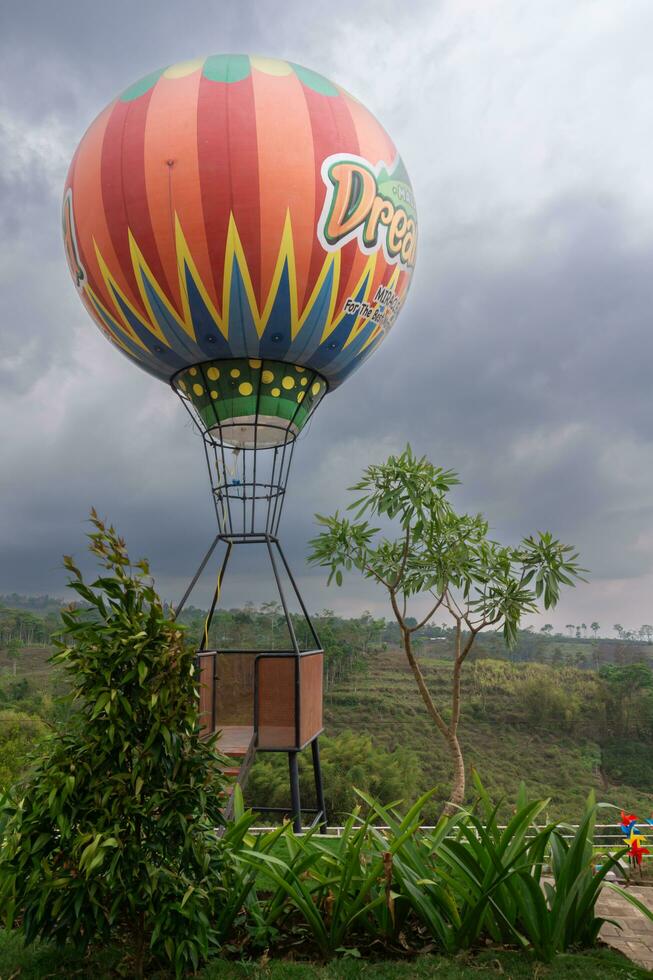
{"x": 240, "y": 207}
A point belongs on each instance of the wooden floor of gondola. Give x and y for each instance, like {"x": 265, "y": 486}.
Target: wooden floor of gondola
{"x": 235, "y": 739}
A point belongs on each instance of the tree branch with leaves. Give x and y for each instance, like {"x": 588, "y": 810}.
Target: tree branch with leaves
{"x": 447, "y": 558}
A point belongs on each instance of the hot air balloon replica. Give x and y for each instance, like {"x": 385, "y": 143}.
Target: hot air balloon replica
{"x": 245, "y": 230}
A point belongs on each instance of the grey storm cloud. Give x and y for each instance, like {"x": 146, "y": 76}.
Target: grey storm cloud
{"x": 522, "y": 358}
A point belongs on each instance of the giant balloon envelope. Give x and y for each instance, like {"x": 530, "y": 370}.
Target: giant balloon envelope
{"x": 243, "y": 228}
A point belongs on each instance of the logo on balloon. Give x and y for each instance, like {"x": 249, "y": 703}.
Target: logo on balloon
{"x": 373, "y": 205}
{"x": 77, "y": 270}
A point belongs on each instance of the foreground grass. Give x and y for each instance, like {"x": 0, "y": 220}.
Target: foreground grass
{"x": 41, "y": 961}
{"x": 599, "y": 965}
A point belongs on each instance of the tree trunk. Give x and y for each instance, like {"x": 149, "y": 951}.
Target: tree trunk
{"x": 139, "y": 945}
{"x": 458, "y": 782}
{"x": 449, "y": 732}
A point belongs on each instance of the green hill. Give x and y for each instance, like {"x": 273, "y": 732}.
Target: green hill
{"x": 562, "y": 714}
{"x": 550, "y": 727}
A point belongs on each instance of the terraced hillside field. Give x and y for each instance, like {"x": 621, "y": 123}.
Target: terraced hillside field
{"x": 532, "y": 722}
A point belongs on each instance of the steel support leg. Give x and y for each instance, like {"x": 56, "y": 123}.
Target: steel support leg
{"x": 196, "y": 576}
{"x": 319, "y": 789}
{"x": 293, "y": 767}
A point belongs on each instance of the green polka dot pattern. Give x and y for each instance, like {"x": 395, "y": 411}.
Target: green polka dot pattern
{"x": 245, "y": 387}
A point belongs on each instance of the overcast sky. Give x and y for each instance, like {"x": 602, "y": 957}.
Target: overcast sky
{"x": 523, "y": 356}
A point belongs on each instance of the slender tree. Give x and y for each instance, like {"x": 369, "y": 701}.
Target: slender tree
{"x": 271, "y": 610}
{"x": 14, "y": 650}
{"x": 595, "y": 629}
{"x": 447, "y": 558}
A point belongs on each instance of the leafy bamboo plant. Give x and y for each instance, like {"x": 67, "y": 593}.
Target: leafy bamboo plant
{"x": 446, "y": 558}
{"x": 114, "y": 830}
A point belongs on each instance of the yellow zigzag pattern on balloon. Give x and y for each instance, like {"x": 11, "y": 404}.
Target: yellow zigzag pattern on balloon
{"x": 332, "y": 259}
{"x": 184, "y": 256}
{"x": 367, "y": 273}
{"x": 92, "y": 302}
{"x": 112, "y": 286}
{"x": 234, "y": 255}
{"x": 286, "y": 253}
{"x": 141, "y": 267}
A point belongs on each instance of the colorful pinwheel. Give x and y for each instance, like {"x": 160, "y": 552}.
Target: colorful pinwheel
{"x": 634, "y": 840}
{"x": 627, "y": 821}
{"x": 636, "y": 852}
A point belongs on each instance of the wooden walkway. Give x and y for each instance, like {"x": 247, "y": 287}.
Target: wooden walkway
{"x": 635, "y": 938}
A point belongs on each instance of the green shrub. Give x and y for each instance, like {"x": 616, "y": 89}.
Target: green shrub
{"x": 116, "y": 825}
{"x": 349, "y": 760}
{"x": 466, "y": 881}
{"x": 623, "y": 763}
{"x": 20, "y": 734}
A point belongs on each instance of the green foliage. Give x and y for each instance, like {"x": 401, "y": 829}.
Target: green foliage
{"x": 454, "y": 887}
{"x": 348, "y": 760}
{"x": 555, "y": 726}
{"x": 439, "y": 551}
{"x": 499, "y": 874}
{"x": 463, "y": 882}
{"x": 25, "y": 626}
{"x": 20, "y": 733}
{"x": 546, "y": 701}
{"x": 626, "y": 761}
{"x": 487, "y": 881}
{"x": 522, "y": 721}
{"x": 14, "y": 692}
{"x": 115, "y": 826}
{"x": 14, "y": 650}
{"x": 629, "y": 690}
{"x": 340, "y": 889}
{"x": 450, "y": 560}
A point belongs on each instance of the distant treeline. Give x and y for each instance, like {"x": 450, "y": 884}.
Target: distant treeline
{"x": 25, "y": 627}
{"x": 347, "y": 641}
{"x": 41, "y": 603}
{"x": 560, "y": 651}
